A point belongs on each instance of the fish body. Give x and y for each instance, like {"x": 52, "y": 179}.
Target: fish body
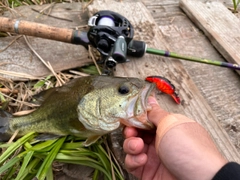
{"x": 165, "y": 86}
{"x": 85, "y": 107}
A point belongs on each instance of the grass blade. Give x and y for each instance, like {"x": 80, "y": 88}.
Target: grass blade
{"x": 90, "y": 164}
{"x": 72, "y": 145}
{"x": 26, "y": 160}
{"x": 10, "y": 173}
{"x": 44, "y": 146}
{"x": 30, "y": 171}
{"x": 9, "y": 164}
{"x": 49, "y": 174}
{"x": 49, "y": 159}
{"x": 12, "y": 162}
{"x": 15, "y": 146}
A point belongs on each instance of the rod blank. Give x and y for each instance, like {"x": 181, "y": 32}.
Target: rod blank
{"x": 191, "y": 58}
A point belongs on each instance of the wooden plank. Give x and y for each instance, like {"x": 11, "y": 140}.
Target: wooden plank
{"x": 193, "y": 105}
{"x": 62, "y": 56}
{"x": 219, "y": 86}
{"x": 219, "y": 24}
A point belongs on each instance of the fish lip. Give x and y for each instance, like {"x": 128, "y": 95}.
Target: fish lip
{"x": 141, "y": 120}
{"x": 146, "y": 92}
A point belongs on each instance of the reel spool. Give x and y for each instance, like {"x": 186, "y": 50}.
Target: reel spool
{"x": 110, "y": 33}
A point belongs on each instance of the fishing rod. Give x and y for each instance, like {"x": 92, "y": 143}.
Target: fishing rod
{"x": 110, "y": 33}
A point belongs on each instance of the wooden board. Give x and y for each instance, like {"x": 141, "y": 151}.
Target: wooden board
{"x": 18, "y": 58}
{"x": 219, "y": 24}
{"x": 219, "y": 86}
{"x": 193, "y": 105}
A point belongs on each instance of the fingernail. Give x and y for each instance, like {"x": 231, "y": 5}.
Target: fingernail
{"x": 152, "y": 100}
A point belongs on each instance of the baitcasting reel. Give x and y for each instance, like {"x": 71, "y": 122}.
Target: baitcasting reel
{"x": 112, "y": 35}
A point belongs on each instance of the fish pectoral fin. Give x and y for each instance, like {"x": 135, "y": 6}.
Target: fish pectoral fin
{"x": 90, "y": 140}
{"x": 45, "y": 137}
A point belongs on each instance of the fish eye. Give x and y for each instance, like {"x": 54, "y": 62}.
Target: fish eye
{"x": 123, "y": 89}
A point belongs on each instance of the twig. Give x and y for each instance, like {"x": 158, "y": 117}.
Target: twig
{"x": 48, "y": 65}
{"x": 2, "y": 79}
{"x": 59, "y": 79}
{"x": 89, "y": 2}
{"x": 78, "y": 73}
{"x": 69, "y": 20}
{"x": 94, "y": 60}
{"x": 11, "y": 10}
{"x": 13, "y": 136}
{"x": 110, "y": 159}
{"x": 8, "y": 91}
{"x": 16, "y": 38}
{"x": 23, "y": 98}
{"x": 21, "y": 113}
{"x": 116, "y": 162}
{"x": 80, "y": 27}
{"x": 25, "y": 103}
{"x": 47, "y": 7}
{"x": 16, "y": 74}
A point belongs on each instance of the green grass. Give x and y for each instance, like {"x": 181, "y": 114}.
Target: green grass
{"x": 26, "y": 158}
{"x": 235, "y": 4}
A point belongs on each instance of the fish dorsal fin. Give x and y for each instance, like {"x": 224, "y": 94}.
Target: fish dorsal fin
{"x": 90, "y": 140}
{"x": 42, "y": 96}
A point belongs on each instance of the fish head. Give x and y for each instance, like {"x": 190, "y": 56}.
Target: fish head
{"x": 114, "y": 101}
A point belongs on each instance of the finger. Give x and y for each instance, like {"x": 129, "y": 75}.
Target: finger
{"x": 132, "y": 162}
{"x": 133, "y": 145}
{"x": 156, "y": 113}
{"x": 130, "y": 132}
{"x": 149, "y": 136}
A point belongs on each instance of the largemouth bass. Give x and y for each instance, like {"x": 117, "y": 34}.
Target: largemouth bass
{"x": 86, "y": 107}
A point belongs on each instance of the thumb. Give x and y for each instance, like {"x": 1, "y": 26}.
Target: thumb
{"x": 156, "y": 114}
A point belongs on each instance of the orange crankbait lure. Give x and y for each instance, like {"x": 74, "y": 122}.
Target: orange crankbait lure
{"x": 165, "y": 86}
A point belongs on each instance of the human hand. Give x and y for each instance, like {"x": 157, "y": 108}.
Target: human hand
{"x": 180, "y": 148}
{"x": 142, "y": 160}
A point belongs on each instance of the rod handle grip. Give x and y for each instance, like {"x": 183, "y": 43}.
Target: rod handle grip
{"x": 43, "y": 31}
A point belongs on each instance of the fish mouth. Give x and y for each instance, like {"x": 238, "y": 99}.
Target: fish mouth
{"x": 138, "y": 108}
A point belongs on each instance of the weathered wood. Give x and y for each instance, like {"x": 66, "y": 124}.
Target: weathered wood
{"x": 219, "y": 24}
{"x": 219, "y": 86}
{"x": 193, "y": 105}
{"x": 62, "y": 56}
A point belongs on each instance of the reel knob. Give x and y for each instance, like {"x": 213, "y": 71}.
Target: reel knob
{"x": 111, "y": 63}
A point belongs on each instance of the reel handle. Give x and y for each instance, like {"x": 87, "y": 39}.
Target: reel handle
{"x": 120, "y": 50}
